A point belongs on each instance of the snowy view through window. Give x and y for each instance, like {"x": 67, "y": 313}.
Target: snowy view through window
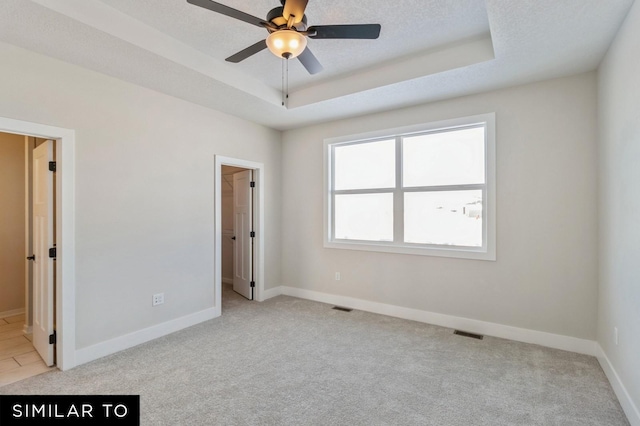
{"x": 436, "y": 198}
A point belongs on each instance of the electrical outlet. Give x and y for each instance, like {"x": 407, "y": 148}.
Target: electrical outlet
{"x": 615, "y": 335}
{"x": 337, "y": 276}
{"x": 158, "y": 299}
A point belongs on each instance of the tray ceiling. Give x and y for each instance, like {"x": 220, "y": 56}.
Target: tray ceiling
{"x": 427, "y": 50}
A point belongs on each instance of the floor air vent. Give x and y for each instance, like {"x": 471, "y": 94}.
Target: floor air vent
{"x": 340, "y": 308}
{"x": 465, "y": 334}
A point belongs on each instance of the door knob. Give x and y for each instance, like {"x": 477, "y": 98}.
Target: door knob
{"x": 32, "y": 257}
{"x": 233, "y": 238}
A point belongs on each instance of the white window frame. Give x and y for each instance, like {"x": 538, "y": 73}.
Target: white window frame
{"x": 488, "y": 249}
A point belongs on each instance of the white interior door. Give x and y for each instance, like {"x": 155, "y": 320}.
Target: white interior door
{"x": 43, "y": 278}
{"x": 242, "y": 226}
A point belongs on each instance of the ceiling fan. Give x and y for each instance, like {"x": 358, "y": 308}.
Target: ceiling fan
{"x": 288, "y": 31}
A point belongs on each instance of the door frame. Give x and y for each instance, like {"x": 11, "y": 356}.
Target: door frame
{"x": 258, "y": 226}
{"x": 65, "y": 231}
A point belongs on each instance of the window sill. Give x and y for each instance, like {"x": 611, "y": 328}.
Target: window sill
{"x": 457, "y": 252}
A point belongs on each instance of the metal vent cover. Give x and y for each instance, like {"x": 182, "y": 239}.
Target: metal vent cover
{"x": 467, "y": 334}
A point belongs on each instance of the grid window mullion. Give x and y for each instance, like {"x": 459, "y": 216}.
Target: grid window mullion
{"x": 398, "y": 197}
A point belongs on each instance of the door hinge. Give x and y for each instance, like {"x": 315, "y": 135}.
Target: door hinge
{"x": 252, "y": 284}
{"x": 252, "y": 234}
{"x": 52, "y": 338}
{"x": 53, "y": 252}
{"x": 252, "y": 184}
{"x": 52, "y": 166}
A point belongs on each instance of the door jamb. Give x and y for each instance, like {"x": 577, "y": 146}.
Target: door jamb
{"x": 65, "y": 232}
{"x": 28, "y": 232}
{"x": 258, "y": 225}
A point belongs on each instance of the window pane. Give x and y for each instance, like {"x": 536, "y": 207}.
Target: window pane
{"x": 446, "y": 158}
{"x": 364, "y": 217}
{"x": 443, "y": 217}
{"x": 365, "y": 165}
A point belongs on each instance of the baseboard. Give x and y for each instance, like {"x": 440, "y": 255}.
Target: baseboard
{"x": 550, "y": 340}
{"x": 127, "y": 341}
{"x": 629, "y": 407}
{"x": 11, "y": 313}
{"x": 227, "y": 280}
{"x": 272, "y": 292}
{"x": 27, "y": 329}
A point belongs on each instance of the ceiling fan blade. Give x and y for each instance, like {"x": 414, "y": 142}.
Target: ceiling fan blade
{"x": 245, "y": 53}
{"x": 359, "y": 31}
{"x": 309, "y": 61}
{"x": 231, "y": 12}
{"x": 295, "y": 8}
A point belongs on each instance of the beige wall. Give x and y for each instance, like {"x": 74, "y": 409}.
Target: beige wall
{"x": 545, "y": 276}
{"x": 227, "y": 224}
{"x": 619, "y": 202}
{"x": 227, "y": 221}
{"x": 12, "y": 222}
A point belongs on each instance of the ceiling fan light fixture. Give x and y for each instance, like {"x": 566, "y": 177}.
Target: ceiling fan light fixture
{"x": 286, "y": 43}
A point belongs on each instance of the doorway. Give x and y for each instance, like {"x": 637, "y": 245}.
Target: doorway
{"x": 247, "y": 226}
{"x": 27, "y": 225}
{"x": 62, "y": 302}
{"x": 237, "y": 231}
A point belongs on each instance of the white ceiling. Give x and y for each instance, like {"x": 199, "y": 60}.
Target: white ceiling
{"x": 427, "y": 50}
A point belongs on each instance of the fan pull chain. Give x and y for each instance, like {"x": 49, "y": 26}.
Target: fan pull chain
{"x": 287, "y": 92}
{"x": 282, "y": 87}
{"x": 285, "y": 82}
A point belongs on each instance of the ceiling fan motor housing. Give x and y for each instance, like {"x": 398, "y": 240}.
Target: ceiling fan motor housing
{"x": 275, "y": 16}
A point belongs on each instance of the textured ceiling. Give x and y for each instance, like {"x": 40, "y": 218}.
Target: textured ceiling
{"x": 438, "y": 22}
{"x": 427, "y": 50}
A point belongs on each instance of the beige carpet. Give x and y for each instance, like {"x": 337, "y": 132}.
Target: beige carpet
{"x": 288, "y": 361}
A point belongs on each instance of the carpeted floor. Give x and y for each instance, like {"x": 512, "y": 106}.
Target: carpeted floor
{"x": 288, "y": 361}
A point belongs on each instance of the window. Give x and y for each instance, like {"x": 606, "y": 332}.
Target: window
{"x": 427, "y": 189}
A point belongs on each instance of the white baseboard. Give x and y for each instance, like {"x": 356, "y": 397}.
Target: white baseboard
{"x": 127, "y": 341}
{"x": 27, "y": 329}
{"x": 550, "y": 340}
{"x": 272, "y": 292}
{"x": 629, "y": 407}
{"x": 11, "y": 313}
{"x": 227, "y": 280}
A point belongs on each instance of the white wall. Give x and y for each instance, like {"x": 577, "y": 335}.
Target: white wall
{"x": 545, "y": 274}
{"x": 12, "y": 222}
{"x": 619, "y": 202}
{"x": 144, "y": 189}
